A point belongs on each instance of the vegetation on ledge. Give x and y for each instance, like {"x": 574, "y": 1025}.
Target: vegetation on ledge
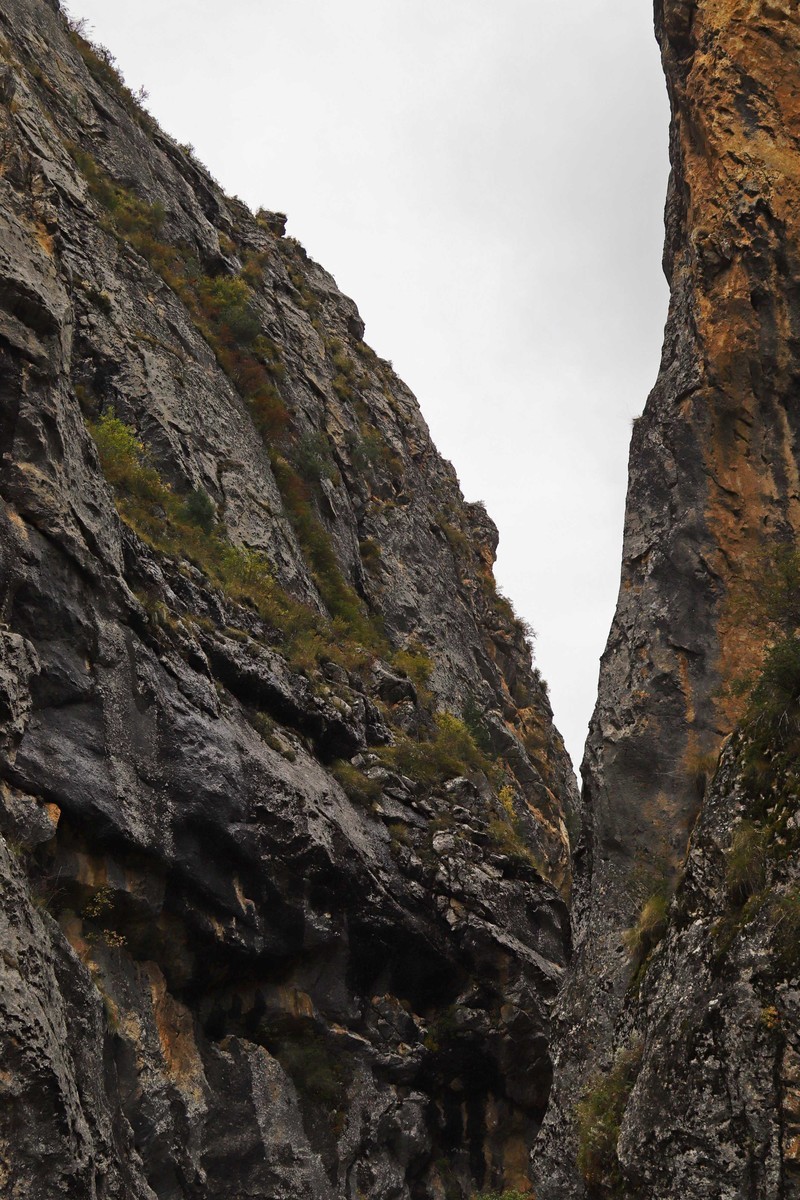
{"x": 185, "y": 528}
{"x": 600, "y": 1114}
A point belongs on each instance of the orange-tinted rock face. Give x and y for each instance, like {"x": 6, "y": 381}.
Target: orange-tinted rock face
{"x": 713, "y": 485}
{"x": 737, "y": 102}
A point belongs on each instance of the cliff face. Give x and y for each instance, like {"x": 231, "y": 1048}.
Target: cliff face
{"x": 284, "y": 855}
{"x": 283, "y": 815}
{"x": 713, "y": 486}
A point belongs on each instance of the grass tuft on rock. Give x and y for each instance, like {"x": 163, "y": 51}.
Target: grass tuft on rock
{"x": 183, "y": 528}
{"x": 448, "y": 753}
{"x": 650, "y": 927}
{"x": 746, "y": 865}
{"x": 600, "y": 1113}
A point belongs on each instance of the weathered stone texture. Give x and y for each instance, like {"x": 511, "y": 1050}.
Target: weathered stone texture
{"x": 713, "y": 484}
{"x": 220, "y": 975}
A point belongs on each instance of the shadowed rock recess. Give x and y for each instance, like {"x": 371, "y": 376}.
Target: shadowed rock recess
{"x": 284, "y": 856}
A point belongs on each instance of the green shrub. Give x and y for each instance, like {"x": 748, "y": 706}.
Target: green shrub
{"x": 785, "y": 921}
{"x": 775, "y": 697}
{"x": 309, "y": 301}
{"x": 99, "y": 299}
{"x": 341, "y": 360}
{"x": 746, "y": 863}
{"x": 200, "y": 509}
{"x": 369, "y": 451}
{"x": 120, "y": 451}
{"x": 340, "y": 598}
{"x": 778, "y": 589}
{"x": 223, "y": 312}
{"x": 507, "y": 841}
{"x": 458, "y": 540}
{"x": 317, "y": 1071}
{"x": 443, "y": 1029}
{"x": 507, "y": 832}
{"x": 343, "y": 388}
{"x": 227, "y": 303}
{"x": 139, "y": 222}
{"x": 702, "y": 767}
{"x": 415, "y": 663}
{"x": 102, "y": 66}
{"x": 600, "y": 1113}
{"x": 475, "y": 723}
{"x": 143, "y": 499}
{"x": 265, "y": 728}
{"x": 449, "y": 753}
{"x": 370, "y": 553}
{"x": 358, "y": 786}
{"x": 727, "y": 928}
{"x": 313, "y": 458}
{"x": 650, "y": 927}
{"x": 772, "y": 715}
{"x": 513, "y": 1194}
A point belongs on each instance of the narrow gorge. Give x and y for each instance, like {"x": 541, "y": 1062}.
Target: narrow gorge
{"x": 299, "y": 896}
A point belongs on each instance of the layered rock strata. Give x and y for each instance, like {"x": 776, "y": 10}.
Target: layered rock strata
{"x": 284, "y": 855}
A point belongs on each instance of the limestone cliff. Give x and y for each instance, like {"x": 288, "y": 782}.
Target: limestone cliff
{"x": 284, "y": 859}
{"x": 713, "y": 488}
{"x": 284, "y": 856}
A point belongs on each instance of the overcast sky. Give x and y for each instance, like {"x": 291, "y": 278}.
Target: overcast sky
{"x": 486, "y": 178}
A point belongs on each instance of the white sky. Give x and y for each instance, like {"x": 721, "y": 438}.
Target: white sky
{"x": 486, "y": 179}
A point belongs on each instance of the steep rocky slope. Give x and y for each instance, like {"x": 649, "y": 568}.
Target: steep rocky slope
{"x": 284, "y": 857}
{"x": 713, "y": 488}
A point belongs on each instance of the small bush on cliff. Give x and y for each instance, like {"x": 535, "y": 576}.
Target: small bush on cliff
{"x": 200, "y": 509}
{"x": 775, "y": 698}
{"x": 224, "y": 312}
{"x": 414, "y": 662}
{"x": 340, "y": 598}
{"x": 358, "y": 786}
{"x": 649, "y": 929}
{"x": 313, "y": 458}
{"x": 371, "y": 553}
{"x": 476, "y": 724}
{"x": 746, "y": 865}
{"x": 600, "y": 1114}
{"x": 102, "y": 65}
{"x": 320, "y": 1073}
{"x": 513, "y": 1194}
{"x": 143, "y": 499}
{"x": 772, "y": 715}
{"x": 785, "y": 921}
{"x": 505, "y": 828}
{"x": 450, "y": 752}
{"x": 228, "y": 303}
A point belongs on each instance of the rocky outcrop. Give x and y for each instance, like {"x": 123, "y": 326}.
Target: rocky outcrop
{"x": 715, "y": 1107}
{"x": 284, "y": 860}
{"x": 713, "y": 485}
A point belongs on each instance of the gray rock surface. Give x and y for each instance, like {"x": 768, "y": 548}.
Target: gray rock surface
{"x": 712, "y": 489}
{"x": 246, "y": 951}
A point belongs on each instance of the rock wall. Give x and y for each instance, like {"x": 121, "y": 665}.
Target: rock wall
{"x": 286, "y": 877}
{"x": 715, "y": 1106}
{"x": 284, "y": 860}
{"x": 713, "y": 486}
